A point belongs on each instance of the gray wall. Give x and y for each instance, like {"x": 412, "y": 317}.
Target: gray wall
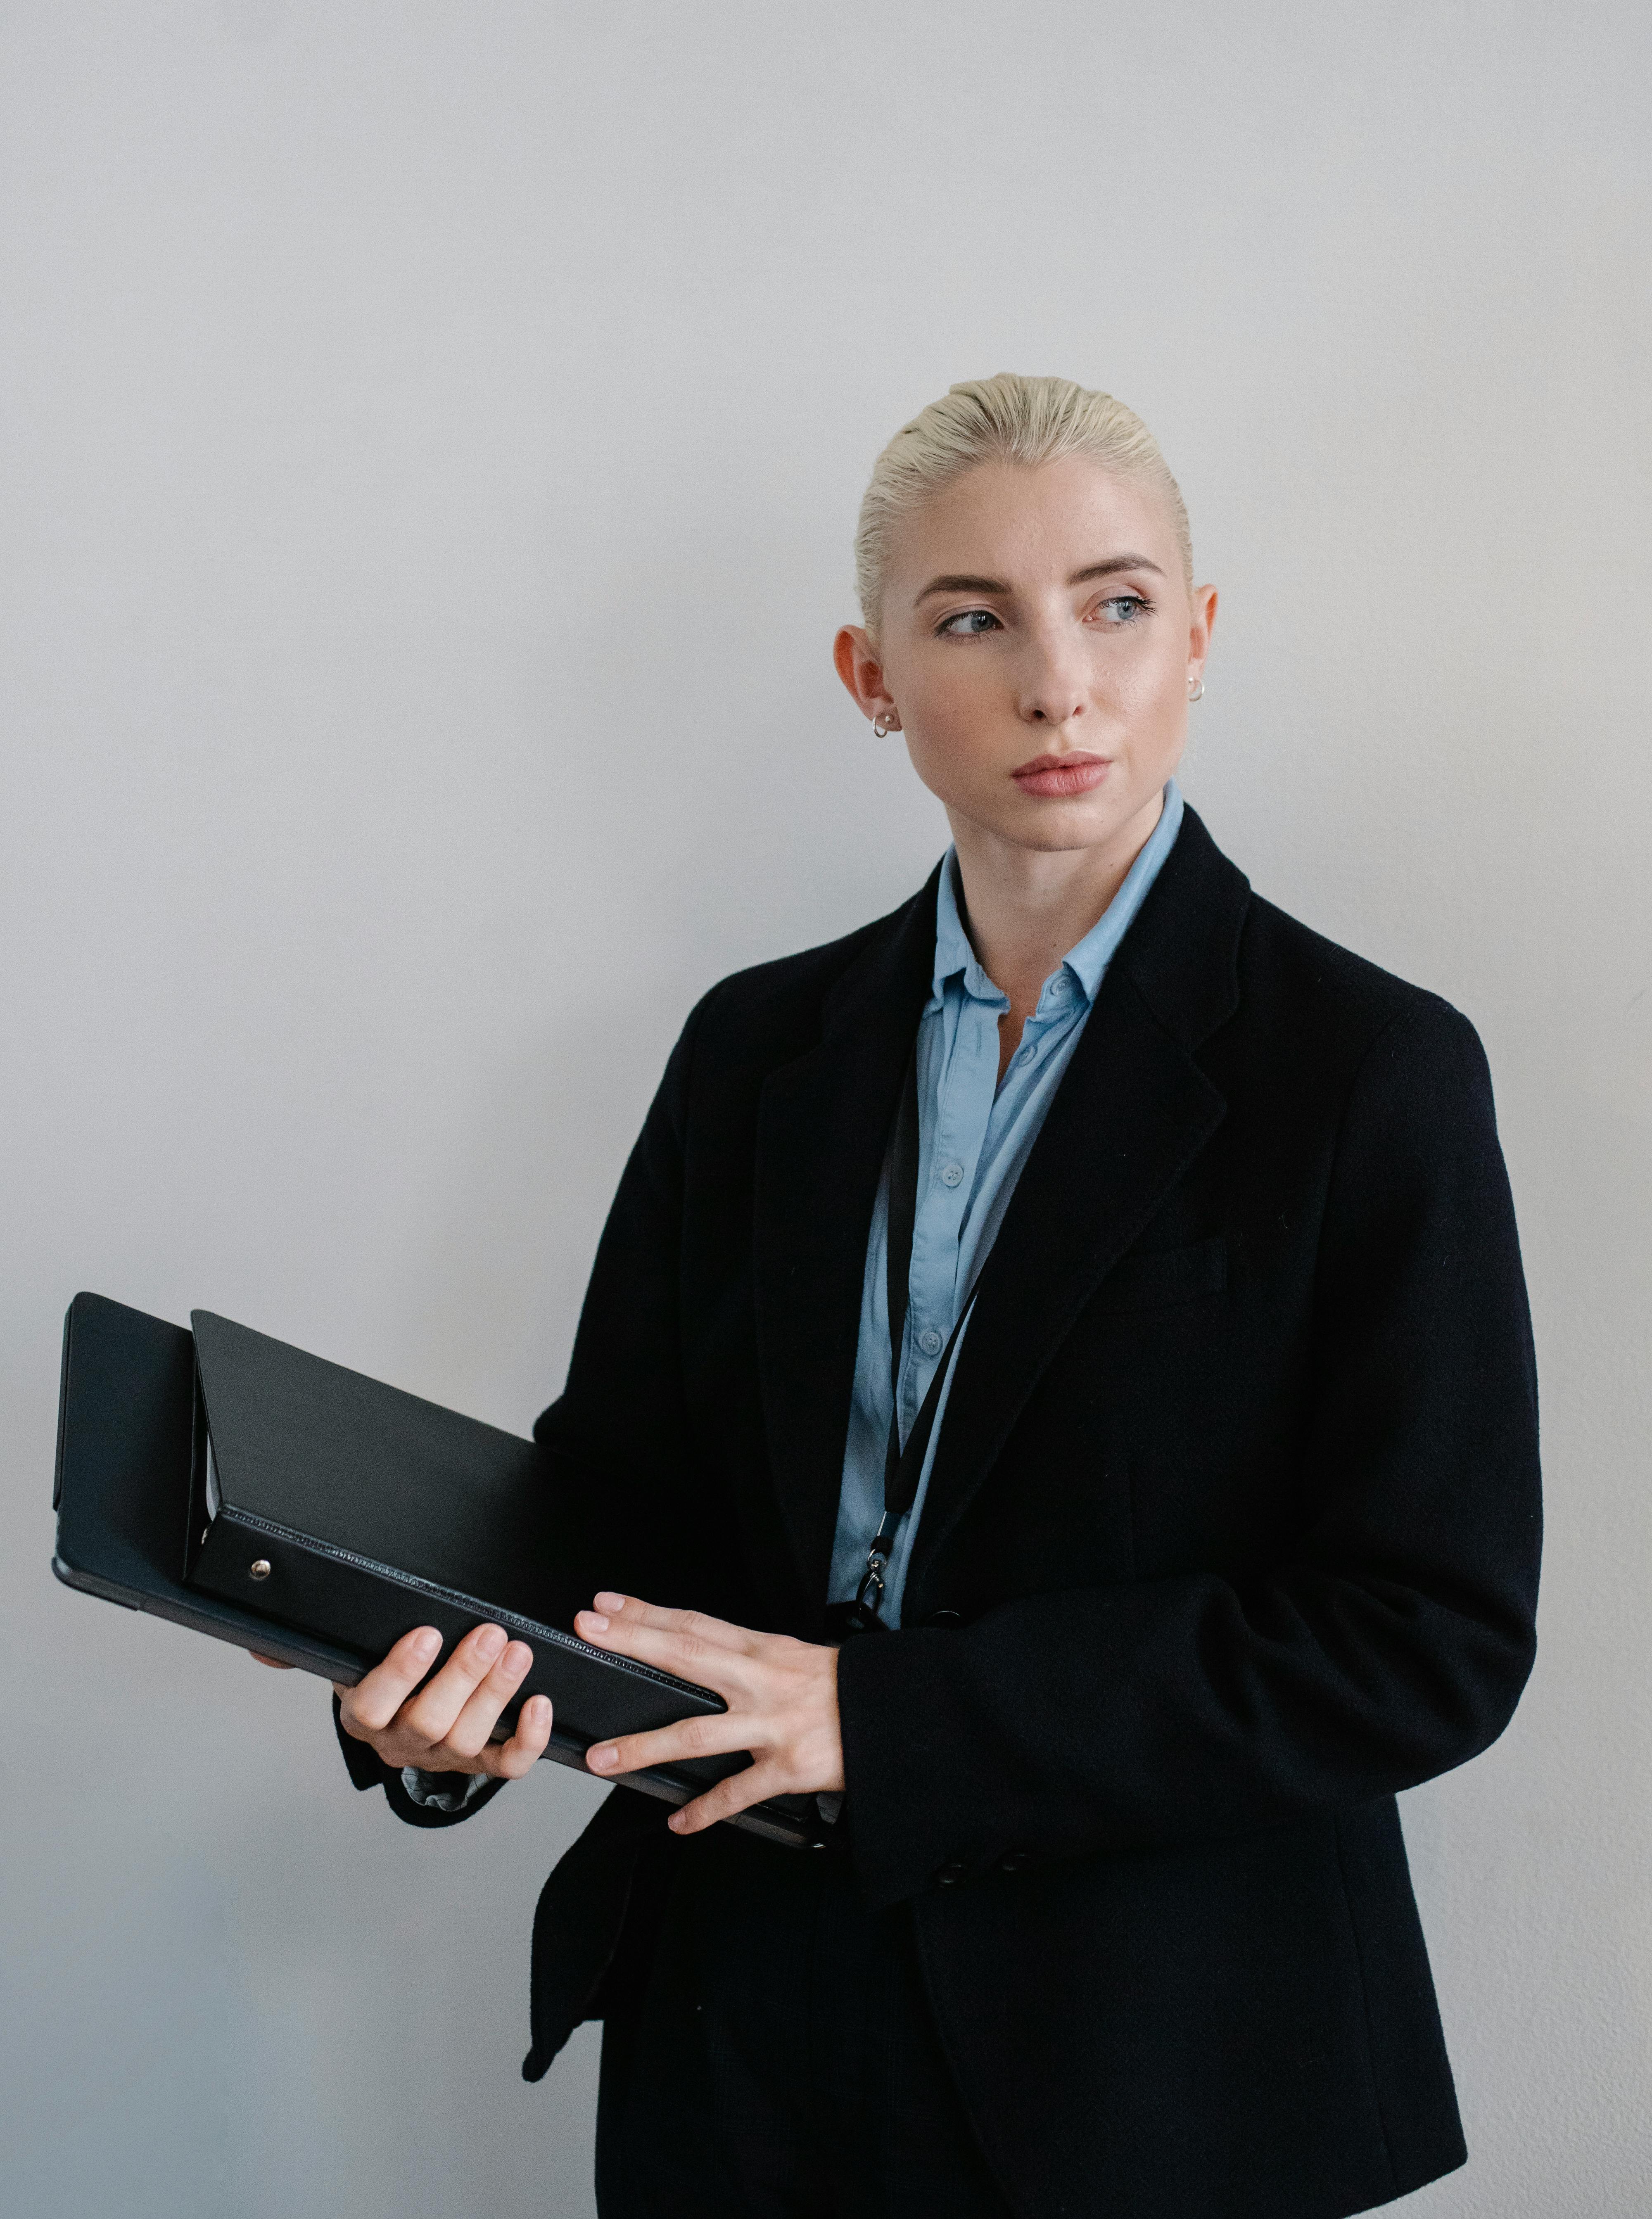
{"x": 432, "y": 435}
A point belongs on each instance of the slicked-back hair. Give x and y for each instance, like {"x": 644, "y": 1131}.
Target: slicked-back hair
{"x": 1008, "y": 418}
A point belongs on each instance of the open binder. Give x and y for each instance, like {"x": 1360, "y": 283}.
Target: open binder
{"x": 238, "y": 1486}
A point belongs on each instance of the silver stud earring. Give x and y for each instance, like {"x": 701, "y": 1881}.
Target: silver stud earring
{"x": 882, "y": 725}
{"x": 1196, "y": 689}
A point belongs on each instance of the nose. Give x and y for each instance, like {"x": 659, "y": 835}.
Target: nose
{"x": 1055, "y": 708}
{"x": 1053, "y": 691}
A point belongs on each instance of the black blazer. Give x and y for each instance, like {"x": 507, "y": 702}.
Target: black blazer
{"x": 1233, "y": 1532}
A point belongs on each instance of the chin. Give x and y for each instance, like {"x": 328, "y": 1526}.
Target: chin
{"x": 1056, "y": 827}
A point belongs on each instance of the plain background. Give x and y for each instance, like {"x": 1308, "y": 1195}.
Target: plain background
{"x": 431, "y": 438}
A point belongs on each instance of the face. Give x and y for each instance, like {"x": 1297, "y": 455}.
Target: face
{"x": 1036, "y": 646}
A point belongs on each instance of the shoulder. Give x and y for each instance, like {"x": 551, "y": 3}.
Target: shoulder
{"x": 1255, "y": 991}
{"x": 1317, "y": 1007}
{"x": 754, "y": 1022}
{"x": 765, "y": 992}
{"x": 777, "y": 1009}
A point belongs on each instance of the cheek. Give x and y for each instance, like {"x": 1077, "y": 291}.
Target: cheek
{"x": 957, "y": 684}
{"x": 956, "y": 744}
{"x": 941, "y": 753}
{"x": 956, "y": 711}
{"x": 1150, "y": 686}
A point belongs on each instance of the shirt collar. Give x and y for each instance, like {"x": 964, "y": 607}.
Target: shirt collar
{"x": 1087, "y": 961}
{"x": 954, "y": 957}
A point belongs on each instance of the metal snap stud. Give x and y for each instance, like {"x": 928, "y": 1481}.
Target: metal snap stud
{"x": 261, "y": 1567}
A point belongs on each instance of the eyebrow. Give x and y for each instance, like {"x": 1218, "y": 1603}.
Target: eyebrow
{"x": 963, "y": 582}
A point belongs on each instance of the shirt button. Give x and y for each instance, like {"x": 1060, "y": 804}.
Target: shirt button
{"x": 929, "y": 1341}
{"x": 1024, "y": 1056}
{"x": 1058, "y": 988}
{"x": 951, "y": 1174}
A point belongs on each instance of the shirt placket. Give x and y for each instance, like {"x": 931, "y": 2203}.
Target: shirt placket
{"x": 1058, "y": 1004}
{"x": 951, "y": 1155}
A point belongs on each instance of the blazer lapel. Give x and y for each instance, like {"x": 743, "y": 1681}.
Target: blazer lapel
{"x": 1133, "y": 1110}
{"x": 823, "y": 1125}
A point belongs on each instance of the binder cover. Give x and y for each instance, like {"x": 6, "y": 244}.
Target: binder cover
{"x": 239, "y": 1485}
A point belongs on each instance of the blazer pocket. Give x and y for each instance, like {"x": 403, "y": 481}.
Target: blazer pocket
{"x": 1156, "y": 1281}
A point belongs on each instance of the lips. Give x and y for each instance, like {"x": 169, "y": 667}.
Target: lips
{"x": 1057, "y": 777}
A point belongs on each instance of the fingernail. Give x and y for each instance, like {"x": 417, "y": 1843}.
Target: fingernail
{"x": 604, "y": 1759}
{"x": 427, "y": 1641}
{"x": 538, "y": 1711}
{"x": 516, "y": 1659}
{"x": 607, "y": 1602}
{"x": 490, "y": 1642}
{"x": 595, "y": 1620}
{"x": 678, "y": 1823}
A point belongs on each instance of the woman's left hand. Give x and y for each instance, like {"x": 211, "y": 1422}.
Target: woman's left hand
{"x": 781, "y": 1694}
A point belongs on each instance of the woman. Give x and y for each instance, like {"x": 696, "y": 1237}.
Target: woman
{"x": 1210, "y": 1519}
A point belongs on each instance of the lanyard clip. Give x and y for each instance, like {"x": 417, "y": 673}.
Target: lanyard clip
{"x": 869, "y": 1595}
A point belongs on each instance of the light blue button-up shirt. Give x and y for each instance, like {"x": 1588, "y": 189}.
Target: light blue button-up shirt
{"x": 975, "y": 1134}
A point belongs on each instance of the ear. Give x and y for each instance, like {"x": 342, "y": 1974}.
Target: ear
{"x": 1199, "y": 630}
{"x": 858, "y": 666}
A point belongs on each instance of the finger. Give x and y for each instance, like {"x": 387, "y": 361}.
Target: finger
{"x": 511, "y": 1759}
{"x": 691, "y": 1654}
{"x": 379, "y": 1694}
{"x": 274, "y": 1662}
{"x": 739, "y": 1792}
{"x": 430, "y": 1715}
{"x": 719, "y": 1736}
{"x": 472, "y": 1729}
{"x": 717, "y": 1631}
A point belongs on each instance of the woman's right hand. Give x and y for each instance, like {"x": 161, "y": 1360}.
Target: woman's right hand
{"x": 446, "y": 1726}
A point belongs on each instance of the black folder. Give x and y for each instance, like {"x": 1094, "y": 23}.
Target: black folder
{"x": 238, "y": 1486}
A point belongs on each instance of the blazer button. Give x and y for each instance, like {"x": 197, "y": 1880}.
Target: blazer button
{"x": 950, "y": 1874}
{"x": 1013, "y": 1861}
{"x": 945, "y": 1617}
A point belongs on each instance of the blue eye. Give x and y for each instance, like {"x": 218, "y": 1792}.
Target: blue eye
{"x": 968, "y": 624}
{"x": 1124, "y": 608}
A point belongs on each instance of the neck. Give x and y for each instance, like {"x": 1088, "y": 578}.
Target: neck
{"x": 1024, "y": 908}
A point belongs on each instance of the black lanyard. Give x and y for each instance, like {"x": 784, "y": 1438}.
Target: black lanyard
{"x": 902, "y": 1464}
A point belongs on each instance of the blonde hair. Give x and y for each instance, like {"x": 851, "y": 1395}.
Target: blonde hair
{"x": 1011, "y": 418}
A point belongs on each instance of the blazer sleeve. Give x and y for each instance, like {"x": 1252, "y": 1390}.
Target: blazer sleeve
{"x": 446, "y": 1798}
{"x": 1393, "y": 1644}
